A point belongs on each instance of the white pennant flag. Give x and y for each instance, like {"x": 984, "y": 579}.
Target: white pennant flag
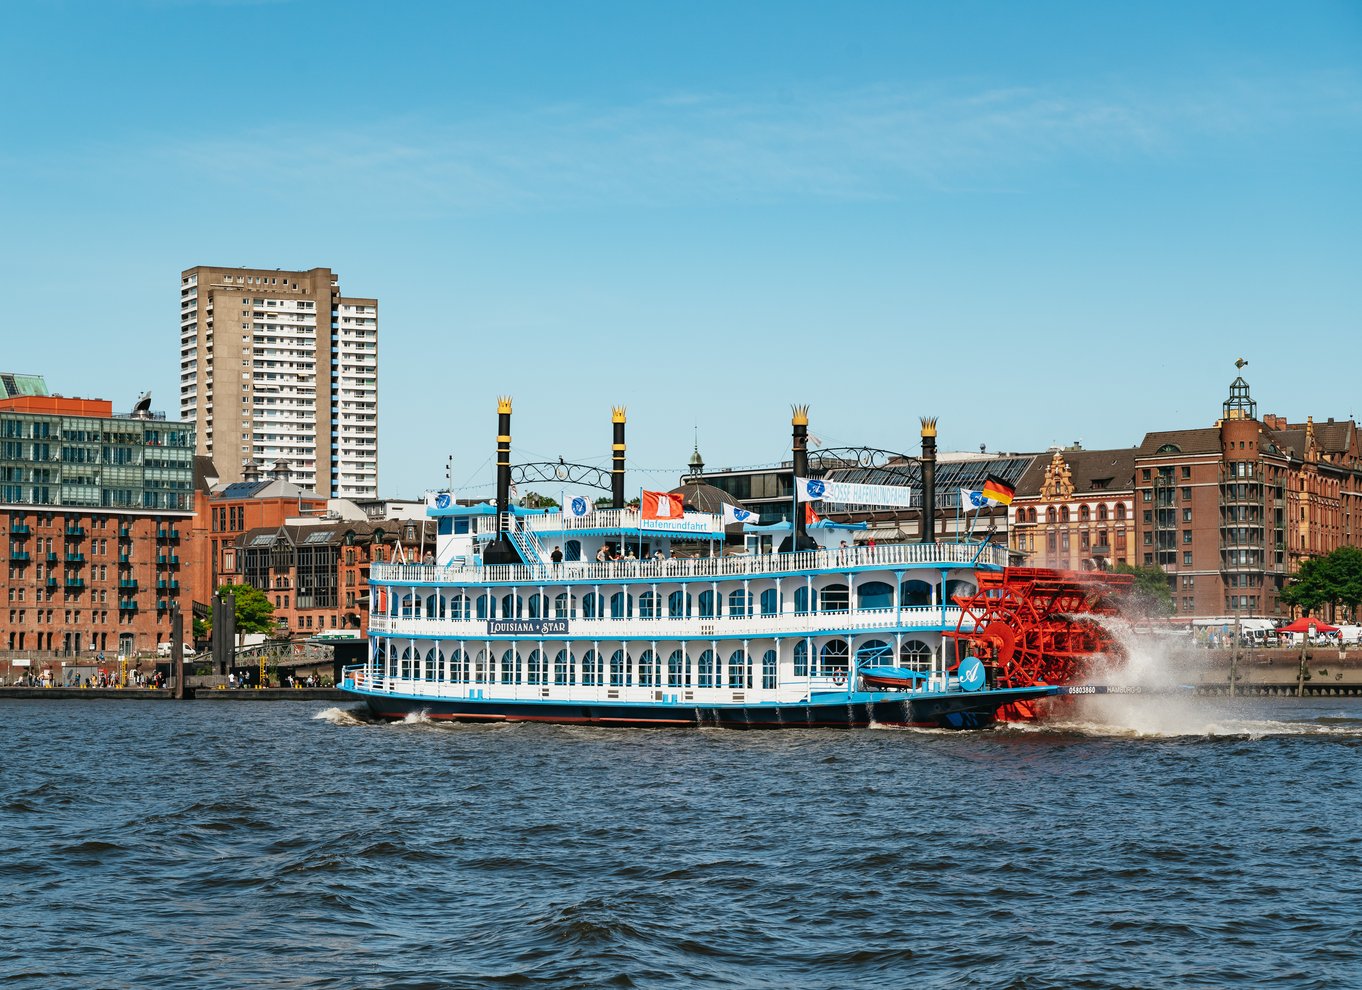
{"x": 733, "y": 514}
{"x": 576, "y": 507}
{"x": 809, "y": 489}
{"x": 972, "y": 501}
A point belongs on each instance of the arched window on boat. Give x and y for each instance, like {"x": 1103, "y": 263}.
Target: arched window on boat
{"x": 563, "y": 606}
{"x": 460, "y": 607}
{"x": 406, "y": 662}
{"x": 591, "y": 668}
{"x": 562, "y": 668}
{"x": 678, "y": 670}
{"x": 485, "y": 605}
{"x": 801, "y": 658}
{"x": 619, "y": 669}
{"x": 621, "y": 606}
{"x": 959, "y": 586}
{"x": 833, "y": 657}
{"x": 874, "y": 594}
{"x": 647, "y": 666}
{"x": 392, "y": 659}
{"x": 768, "y": 670}
{"x": 537, "y": 606}
{"x": 834, "y": 598}
{"x": 706, "y": 676}
{"x": 647, "y": 605}
{"x": 874, "y": 653}
{"x": 679, "y": 604}
{"x": 481, "y": 672}
{"x": 512, "y": 607}
{"x": 435, "y": 606}
{"x": 915, "y": 654}
{"x": 429, "y": 664}
{"x": 705, "y": 604}
{"x": 510, "y": 667}
{"x": 572, "y": 550}
{"x": 740, "y": 602}
{"x": 739, "y": 673}
{"x": 410, "y": 606}
{"x": 591, "y": 605}
{"x": 804, "y": 602}
{"x": 770, "y": 602}
{"x": 916, "y": 594}
{"x": 534, "y": 668}
{"x": 458, "y": 669}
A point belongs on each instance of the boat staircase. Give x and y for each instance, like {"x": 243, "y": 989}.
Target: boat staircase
{"x": 531, "y": 550}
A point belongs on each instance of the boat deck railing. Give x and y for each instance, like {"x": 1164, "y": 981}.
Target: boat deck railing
{"x": 743, "y": 565}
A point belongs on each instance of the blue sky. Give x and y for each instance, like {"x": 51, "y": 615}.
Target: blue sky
{"x": 1039, "y": 222}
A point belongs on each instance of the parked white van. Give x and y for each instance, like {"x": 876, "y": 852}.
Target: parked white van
{"x": 163, "y": 649}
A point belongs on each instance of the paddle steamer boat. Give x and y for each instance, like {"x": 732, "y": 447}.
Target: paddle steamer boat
{"x": 492, "y": 627}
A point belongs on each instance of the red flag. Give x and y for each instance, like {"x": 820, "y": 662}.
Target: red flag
{"x": 662, "y": 505}
{"x": 810, "y": 517}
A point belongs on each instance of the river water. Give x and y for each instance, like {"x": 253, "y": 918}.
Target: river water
{"x": 1139, "y": 842}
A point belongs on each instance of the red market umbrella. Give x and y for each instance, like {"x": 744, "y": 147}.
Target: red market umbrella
{"x": 1306, "y": 623}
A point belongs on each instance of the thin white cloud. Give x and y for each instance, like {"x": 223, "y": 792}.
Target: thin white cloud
{"x": 863, "y": 144}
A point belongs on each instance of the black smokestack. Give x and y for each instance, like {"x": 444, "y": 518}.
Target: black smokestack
{"x": 501, "y": 551}
{"x": 799, "y": 448}
{"x": 928, "y": 479}
{"x": 617, "y": 466}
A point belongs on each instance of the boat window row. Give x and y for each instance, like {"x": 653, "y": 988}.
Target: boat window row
{"x": 678, "y": 604}
{"x": 622, "y": 667}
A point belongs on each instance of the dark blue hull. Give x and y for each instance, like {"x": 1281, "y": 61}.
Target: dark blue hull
{"x": 953, "y": 710}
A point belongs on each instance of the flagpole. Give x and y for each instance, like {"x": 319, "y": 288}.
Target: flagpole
{"x": 640, "y": 522}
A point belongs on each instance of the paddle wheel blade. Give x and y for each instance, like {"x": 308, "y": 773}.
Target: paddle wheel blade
{"x": 1039, "y": 626}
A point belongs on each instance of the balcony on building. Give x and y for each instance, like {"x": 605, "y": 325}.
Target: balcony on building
{"x": 19, "y": 556}
{"x": 20, "y": 529}
{"x": 167, "y": 534}
{"x": 125, "y": 532}
{"x": 75, "y": 530}
{"x": 127, "y": 584}
{"x": 75, "y": 582}
{"x": 75, "y": 558}
{"x": 168, "y": 560}
{"x": 52, "y": 556}
{"x": 127, "y": 605}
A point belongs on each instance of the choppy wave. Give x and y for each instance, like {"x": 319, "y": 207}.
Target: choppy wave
{"x": 266, "y": 845}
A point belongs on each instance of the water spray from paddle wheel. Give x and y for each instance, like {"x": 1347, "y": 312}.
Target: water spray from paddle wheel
{"x": 1036, "y": 626}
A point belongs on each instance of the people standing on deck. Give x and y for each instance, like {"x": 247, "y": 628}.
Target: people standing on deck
{"x": 602, "y": 555}
{"x": 556, "y": 556}
{"x": 842, "y": 553}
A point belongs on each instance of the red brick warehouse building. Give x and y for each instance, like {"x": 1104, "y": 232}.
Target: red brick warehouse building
{"x": 94, "y": 510}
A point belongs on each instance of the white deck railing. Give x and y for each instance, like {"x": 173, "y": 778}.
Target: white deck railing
{"x": 683, "y": 627}
{"x": 746, "y": 565}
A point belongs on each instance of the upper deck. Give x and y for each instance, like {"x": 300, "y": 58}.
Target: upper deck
{"x": 892, "y": 556}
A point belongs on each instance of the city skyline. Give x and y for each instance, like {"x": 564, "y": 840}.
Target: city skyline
{"x": 708, "y": 215}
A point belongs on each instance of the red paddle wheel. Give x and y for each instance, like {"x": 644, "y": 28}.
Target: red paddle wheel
{"x": 1036, "y": 626}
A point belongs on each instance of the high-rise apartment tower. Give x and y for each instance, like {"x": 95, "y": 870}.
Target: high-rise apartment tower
{"x": 280, "y": 366}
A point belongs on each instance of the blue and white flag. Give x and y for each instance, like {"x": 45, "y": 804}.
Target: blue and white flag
{"x": 973, "y": 501}
{"x": 809, "y": 489}
{"x": 733, "y": 514}
{"x": 576, "y": 507}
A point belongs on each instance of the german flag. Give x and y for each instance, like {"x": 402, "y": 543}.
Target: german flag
{"x": 998, "y": 490}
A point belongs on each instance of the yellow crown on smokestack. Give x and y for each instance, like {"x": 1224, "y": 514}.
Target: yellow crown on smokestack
{"x": 617, "y": 414}
{"x": 504, "y": 404}
{"x": 929, "y": 426}
{"x": 800, "y": 415}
